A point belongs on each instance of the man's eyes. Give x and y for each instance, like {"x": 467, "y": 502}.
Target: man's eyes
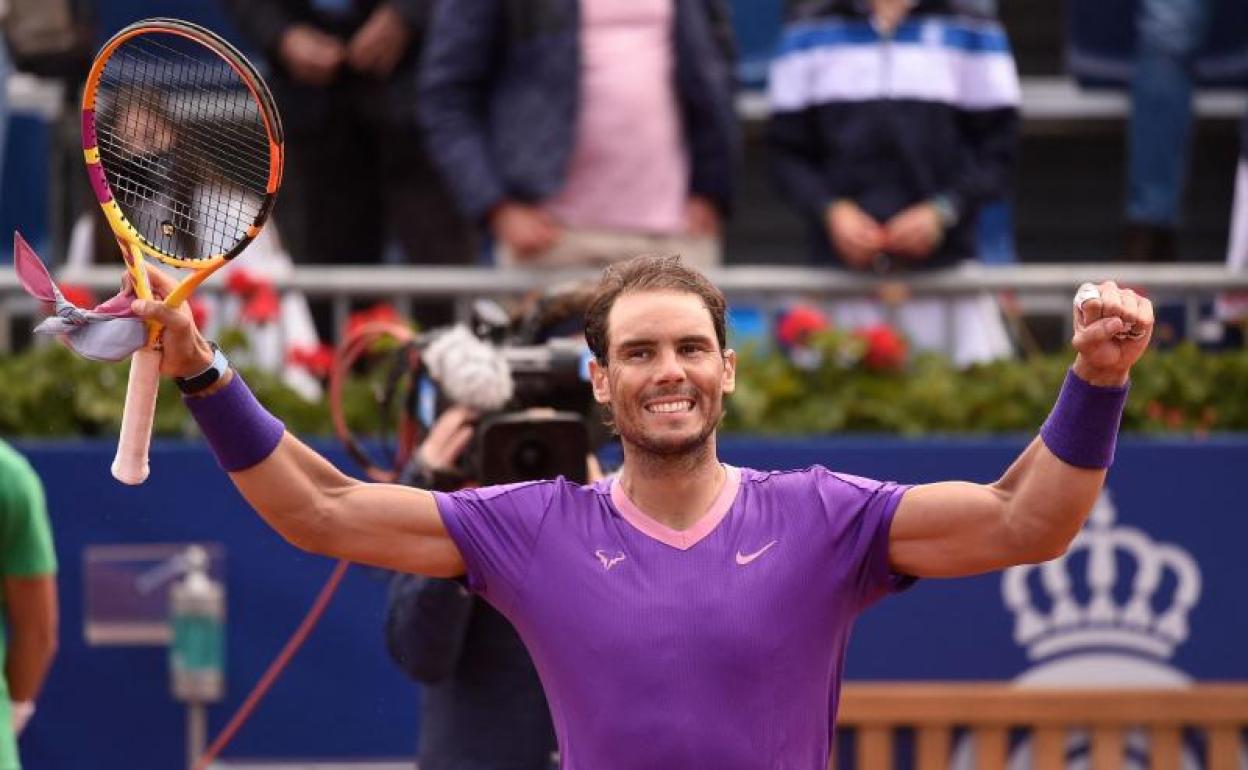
{"x": 691, "y": 349}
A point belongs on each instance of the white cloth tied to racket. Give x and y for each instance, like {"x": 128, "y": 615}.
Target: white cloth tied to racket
{"x": 471, "y": 372}
{"x": 108, "y": 332}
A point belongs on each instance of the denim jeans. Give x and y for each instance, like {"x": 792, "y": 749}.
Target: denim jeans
{"x": 1170, "y": 34}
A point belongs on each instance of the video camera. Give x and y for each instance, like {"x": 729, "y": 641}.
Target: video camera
{"x": 547, "y": 423}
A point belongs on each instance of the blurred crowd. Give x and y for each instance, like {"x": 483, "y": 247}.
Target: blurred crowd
{"x": 568, "y": 133}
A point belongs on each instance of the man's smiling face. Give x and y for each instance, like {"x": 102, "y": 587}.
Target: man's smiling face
{"x": 666, "y": 376}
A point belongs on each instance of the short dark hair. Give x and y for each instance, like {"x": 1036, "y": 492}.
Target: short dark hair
{"x": 649, "y": 272}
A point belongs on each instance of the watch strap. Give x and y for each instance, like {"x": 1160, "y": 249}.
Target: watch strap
{"x": 214, "y": 372}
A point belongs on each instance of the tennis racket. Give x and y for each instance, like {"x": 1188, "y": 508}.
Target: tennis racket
{"x": 183, "y": 145}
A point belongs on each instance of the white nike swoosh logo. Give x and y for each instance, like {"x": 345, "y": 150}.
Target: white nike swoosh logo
{"x": 744, "y": 559}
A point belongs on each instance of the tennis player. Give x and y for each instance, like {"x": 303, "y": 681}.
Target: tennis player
{"x": 684, "y": 613}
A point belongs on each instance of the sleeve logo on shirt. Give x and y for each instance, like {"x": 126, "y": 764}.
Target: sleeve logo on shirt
{"x": 745, "y": 558}
{"x": 609, "y": 560}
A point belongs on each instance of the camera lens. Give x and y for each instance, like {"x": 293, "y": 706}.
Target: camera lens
{"x": 531, "y": 459}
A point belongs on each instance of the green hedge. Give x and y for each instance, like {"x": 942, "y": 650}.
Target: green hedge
{"x": 1179, "y": 390}
{"x": 49, "y": 391}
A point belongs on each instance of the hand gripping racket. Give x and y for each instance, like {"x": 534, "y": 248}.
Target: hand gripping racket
{"x": 183, "y": 145}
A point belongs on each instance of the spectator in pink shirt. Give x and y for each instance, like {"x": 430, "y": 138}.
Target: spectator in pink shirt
{"x": 584, "y": 131}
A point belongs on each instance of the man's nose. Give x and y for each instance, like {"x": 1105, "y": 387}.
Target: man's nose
{"x": 669, "y": 367}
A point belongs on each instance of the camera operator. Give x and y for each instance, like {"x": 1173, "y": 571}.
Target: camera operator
{"x": 483, "y": 706}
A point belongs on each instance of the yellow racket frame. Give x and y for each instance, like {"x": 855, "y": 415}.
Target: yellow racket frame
{"x": 133, "y": 245}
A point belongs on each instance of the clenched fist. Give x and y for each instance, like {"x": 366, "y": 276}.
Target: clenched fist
{"x": 1113, "y": 326}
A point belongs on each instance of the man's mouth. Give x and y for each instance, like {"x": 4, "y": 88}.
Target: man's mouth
{"x": 670, "y": 407}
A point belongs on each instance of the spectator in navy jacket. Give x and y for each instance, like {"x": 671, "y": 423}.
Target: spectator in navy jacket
{"x": 893, "y": 122}
{"x": 584, "y": 131}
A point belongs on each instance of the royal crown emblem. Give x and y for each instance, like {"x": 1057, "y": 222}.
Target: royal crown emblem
{"x": 1115, "y": 588}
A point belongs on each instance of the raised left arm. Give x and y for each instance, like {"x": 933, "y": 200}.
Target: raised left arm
{"x": 1036, "y": 508}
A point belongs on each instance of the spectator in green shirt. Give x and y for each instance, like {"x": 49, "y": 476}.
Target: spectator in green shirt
{"x": 28, "y": 572}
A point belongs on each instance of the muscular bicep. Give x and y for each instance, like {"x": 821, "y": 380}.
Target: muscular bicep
{"x": 1028, "y": 515}
{"x": 949, "y": 529}
{"x": 399, "y": 528}
{"x": 320, "y": 509}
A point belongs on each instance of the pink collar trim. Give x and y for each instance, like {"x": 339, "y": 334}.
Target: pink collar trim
{"x": 679, "y": 539}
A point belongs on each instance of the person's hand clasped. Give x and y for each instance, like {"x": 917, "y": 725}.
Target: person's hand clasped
{"x": 914, "y": 232}
{"x": 1113, "y": 327}
{"x": 377, "y": 46}
{"x": 526, "y": 229}
{"x": 702, "y": 217}
{"x": 312, "y": 57}
{"x": 857, "y": 237}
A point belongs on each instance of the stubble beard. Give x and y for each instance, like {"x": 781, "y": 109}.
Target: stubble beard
{"x": 645, "y": 448}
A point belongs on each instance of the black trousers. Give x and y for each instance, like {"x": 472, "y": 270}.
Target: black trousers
{"x": 358, "y": 182}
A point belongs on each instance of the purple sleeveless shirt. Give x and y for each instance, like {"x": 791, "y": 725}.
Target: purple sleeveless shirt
{"x": 719, "y": 647}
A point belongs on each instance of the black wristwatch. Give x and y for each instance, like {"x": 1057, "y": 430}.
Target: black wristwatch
{"x": 214, "y": 372}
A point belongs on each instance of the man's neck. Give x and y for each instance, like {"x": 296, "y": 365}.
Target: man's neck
{"x": 675, "y": 491}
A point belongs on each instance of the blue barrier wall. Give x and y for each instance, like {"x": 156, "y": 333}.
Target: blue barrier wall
{"x": 109, "y": 707}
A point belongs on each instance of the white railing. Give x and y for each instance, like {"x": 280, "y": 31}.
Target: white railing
{"x": 1039, "y": 289}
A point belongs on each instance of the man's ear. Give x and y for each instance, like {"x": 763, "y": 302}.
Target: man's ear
{"x": 729, "y": 381}
{"x": 598, "y": 379}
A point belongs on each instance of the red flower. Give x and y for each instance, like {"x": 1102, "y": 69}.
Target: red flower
{"x": 886, "y": 349}
{"x": 78, "y": 295}
{"x": 799, "y": 323}
{"x": 199, "y": 312}
{"x": 241, "y": 282}
{"x": 1175, "y": 418}
{"x": 317, "y": 360}
{"x": 263, "y": 305}
{"x": 381, "y": 312}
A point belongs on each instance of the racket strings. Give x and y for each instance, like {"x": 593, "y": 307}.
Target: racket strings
{"x": 143, "y": 186}
{"x": 184, "y": 146}
{"x": 219, "y": 108}
{"x": 213, "y": 81}
{"x": 239, "y": 110}
{"x": 254, "y": 176}
{"x": 168, "y": 183}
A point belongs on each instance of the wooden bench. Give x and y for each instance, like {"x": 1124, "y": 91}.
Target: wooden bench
{"x": 992, "y": 711}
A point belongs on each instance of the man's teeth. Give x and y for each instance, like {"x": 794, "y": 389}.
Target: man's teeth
{"x": 671, "y": 406}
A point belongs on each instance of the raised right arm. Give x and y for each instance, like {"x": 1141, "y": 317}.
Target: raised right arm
{"x": 300, "y": 494}
{"x": 318, "y": 508}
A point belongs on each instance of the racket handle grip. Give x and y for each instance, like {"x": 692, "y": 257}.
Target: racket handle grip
{"x": 130, "y": 464}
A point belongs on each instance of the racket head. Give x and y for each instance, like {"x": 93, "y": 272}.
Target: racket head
{"x": 183, "y": 143}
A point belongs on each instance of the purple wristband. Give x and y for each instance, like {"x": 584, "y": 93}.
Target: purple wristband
{"x": 239, "y": 431}
{"x": 1082, "y": 429}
